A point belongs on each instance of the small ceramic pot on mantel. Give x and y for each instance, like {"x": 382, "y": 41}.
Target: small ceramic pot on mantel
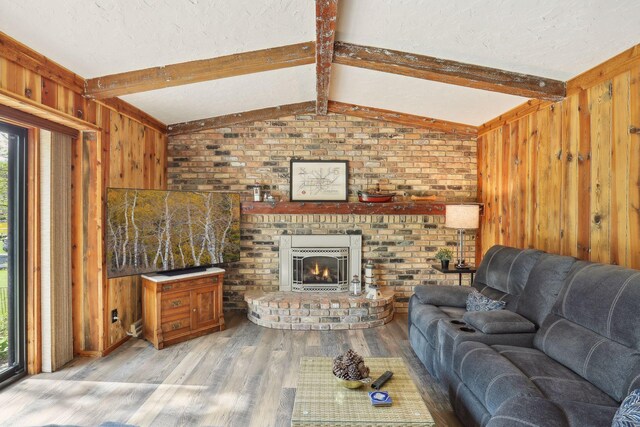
{"x": 445, "y": 264}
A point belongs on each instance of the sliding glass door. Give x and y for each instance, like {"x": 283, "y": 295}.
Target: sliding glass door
{"x": 13, "y": 143}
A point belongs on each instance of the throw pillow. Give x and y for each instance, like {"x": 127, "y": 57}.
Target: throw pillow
{"x": 628, "y": 414}
{"x": 478, "y": 302}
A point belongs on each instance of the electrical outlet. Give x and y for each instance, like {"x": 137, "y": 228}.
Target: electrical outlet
{"x": 114, "y": 315}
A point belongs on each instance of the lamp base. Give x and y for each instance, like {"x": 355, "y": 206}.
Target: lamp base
{"x": 461, "y": 265}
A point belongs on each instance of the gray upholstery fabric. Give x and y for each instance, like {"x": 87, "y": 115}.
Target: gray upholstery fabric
{"x": 423, "y": 324}
{"x": 452, "y": 296}
{"x": 545, "y": 281}
{"x": 554, "y": 380}
{"x": 468, "y": 409}
{"x": 423, "y": 349}
{"x": 594, "y": 329}
{"x": 425, "y": 318}
{"x": 501, "y": 377}
{"x": 453, "y": 312}
{"x": 532, "y": 411}
{"x": 581, "y": 414}
{"x": 498, "y": 322}
{"x": 450, "y": 336}
{"x": 528, "y": 412}
{"x": 505, "y": 269}
{"x": 492, "y": 379}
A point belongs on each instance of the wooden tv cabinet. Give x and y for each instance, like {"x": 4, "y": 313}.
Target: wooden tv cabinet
{"x": 178, "y": 308}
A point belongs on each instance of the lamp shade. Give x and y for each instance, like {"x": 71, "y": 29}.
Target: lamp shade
{"x": 462, "y": 216}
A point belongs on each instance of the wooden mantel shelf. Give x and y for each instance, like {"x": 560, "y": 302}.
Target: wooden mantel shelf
{"x": 356, "y": 208}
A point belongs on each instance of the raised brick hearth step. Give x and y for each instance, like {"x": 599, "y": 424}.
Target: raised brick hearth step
{"x": 318, "y": 310}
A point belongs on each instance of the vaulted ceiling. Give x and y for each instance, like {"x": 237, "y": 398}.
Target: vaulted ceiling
{"x": 552, "y": 39}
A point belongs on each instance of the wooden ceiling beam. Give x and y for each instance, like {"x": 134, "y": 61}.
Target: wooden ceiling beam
{"x": 201, "y": 70}
{"x": 446, "y": 71}
{"x": 435, "y": 125}
{"x": 308, "y": 107}
{"x": 326, "y": 14}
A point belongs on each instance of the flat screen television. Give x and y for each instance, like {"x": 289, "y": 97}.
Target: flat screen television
{"x": 159, "y": 231}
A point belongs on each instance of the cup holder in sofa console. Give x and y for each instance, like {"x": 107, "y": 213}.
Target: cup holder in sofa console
{"x": 467, "y": 329}
{"x": 458, "y": 322}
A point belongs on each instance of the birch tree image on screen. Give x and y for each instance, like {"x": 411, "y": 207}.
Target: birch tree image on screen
{"x": 152, "y": 230}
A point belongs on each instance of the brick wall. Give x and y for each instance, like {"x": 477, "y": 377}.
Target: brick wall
{"x": 404, "y": 160}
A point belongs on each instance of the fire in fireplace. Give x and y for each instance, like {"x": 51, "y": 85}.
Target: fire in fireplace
{"x": 319, "y": 270}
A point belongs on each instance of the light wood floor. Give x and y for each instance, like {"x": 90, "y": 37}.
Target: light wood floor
{"x": 243, "y": 376}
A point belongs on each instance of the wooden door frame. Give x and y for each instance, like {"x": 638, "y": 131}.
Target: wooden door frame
{"x": 33, "y": 262}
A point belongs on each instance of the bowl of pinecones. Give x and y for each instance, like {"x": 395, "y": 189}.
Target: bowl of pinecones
{"x": 350, "y": 370}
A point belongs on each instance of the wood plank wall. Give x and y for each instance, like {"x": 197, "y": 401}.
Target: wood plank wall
{"x": 564, "y": 177}
{"x": 128, "y": 152}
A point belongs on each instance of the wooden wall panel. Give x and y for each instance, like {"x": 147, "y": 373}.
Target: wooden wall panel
{"x": 600, "y": 107}
{"x": 634, "y": 170}
{"x": 620, "y": 162}
{"x": 569, "y": 187}
{"x": 129, "y": 151}
{"x": 579, "y": 192}
{"x": 131, "y": 165}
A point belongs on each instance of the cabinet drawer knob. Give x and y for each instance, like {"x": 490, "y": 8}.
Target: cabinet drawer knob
{"x": 176, "y": 325}
{"x": 194, "y": 310}
{"x": 176, "y": 303}
{"x": 167, "y": 287}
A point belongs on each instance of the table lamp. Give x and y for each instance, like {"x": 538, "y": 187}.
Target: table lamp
{"x": 462, "y": 217}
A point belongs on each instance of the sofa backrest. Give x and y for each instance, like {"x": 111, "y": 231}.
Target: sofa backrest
{"x": 594, "y": 327}
{"x": 503, "y": 273}
{"x": 545, "y": 281}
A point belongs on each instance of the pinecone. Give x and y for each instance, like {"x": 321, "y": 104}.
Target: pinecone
{"x": 350, "y": 366}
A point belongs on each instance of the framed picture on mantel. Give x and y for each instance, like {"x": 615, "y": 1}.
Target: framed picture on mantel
{"x": 319, "y": 180}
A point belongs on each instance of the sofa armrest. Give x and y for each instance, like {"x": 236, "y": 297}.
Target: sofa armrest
{"x": 498, "y": 322}
{"x": 451, "y": 296}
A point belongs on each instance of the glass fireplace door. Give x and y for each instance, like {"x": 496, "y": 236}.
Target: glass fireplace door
{"x": 320, "y": 269}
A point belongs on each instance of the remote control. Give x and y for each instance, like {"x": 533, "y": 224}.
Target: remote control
{"x": 380, "y": 381}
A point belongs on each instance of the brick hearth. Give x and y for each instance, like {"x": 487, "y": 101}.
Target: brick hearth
{"x": 318, "y": 311}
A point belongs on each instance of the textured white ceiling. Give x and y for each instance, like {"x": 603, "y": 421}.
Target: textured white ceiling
{"x": 417, "y": 96}
{"x": 97, "y": 37}
{"x": 551, "y": 38}
{"x": 225, "y": 96}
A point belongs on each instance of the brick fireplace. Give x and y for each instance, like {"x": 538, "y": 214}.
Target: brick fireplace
{"x": 322, "y": 263}
{"x": 404, "y": 160}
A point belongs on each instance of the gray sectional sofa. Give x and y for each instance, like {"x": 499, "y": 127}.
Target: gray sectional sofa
{"x": 564, "y": 352}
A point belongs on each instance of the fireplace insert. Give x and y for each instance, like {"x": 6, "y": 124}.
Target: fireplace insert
{"x": 321, "y": 269}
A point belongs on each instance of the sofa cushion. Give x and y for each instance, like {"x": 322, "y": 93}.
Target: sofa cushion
{"x": 452, "y": 296}
{"x": 478, "y": 302}
{"x": 601, "y": 297}
{"x": 593, "y": 329}
{"x": 555, "y": 381}
{"x": 629, "y": 412}
{"x": 498, "y": 322}
{"x": 491, "y": 378}
{"x": 545, "y": 280}
{"x": 506, "y": 270}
